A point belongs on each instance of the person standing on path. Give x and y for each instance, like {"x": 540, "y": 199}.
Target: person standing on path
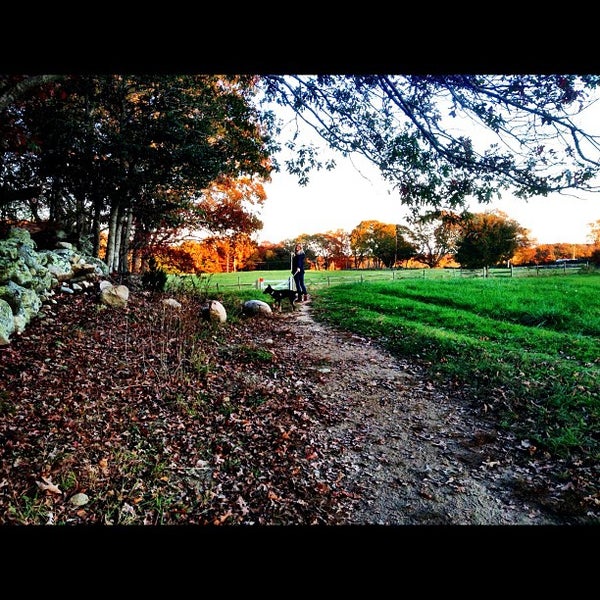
{"x": 298, "y": 272}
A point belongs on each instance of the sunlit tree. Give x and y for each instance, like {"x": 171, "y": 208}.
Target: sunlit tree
{"x": 594, "y": 234}
{"x": 362, "y": 242}
{"x": 328, "y": 250}
{"x": 269, "y": 255}
{"x": 525, "y": 256}
{"x": 544, "y": 254}
{"x": 488, "y": 239}
{"x": 594, "y": 237}
{"x": 374, "y": 243}
{"x": 434, "y": 235}
{"x": 176, "y": 259}
{"x": 337, "y": 249}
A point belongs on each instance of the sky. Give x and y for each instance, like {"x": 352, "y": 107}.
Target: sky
{"x": 355, "y": 192}
{"x": 341, "y": 199}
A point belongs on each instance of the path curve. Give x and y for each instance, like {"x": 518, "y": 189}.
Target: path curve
{"x": 412, "y": 452}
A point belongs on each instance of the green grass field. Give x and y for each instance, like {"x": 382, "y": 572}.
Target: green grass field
{"x": 527, "y": 348}
{"x": 315, "y": 280}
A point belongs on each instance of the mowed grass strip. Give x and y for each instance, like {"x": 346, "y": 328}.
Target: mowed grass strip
{"x": 561, "y": 303}
{"x": 528, "y": 346}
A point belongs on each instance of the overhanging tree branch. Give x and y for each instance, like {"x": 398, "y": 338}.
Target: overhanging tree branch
{"x": 404, "y": 124}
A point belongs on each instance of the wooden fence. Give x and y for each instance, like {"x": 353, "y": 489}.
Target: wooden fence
{"x": 321, "y": 280}
{"x": 386, "y": 275}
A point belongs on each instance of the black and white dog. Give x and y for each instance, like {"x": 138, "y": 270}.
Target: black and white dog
{"x": 279, "y": 295}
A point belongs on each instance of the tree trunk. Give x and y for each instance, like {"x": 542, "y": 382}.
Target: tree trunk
{"x": 96, "y": 226}
{"x": 111, "y": 243}
{"x": 126, "y": 222}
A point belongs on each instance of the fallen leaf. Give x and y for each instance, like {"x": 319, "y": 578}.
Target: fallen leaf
{"x": 220, "y": 520}
{"x": 47, "y": 486}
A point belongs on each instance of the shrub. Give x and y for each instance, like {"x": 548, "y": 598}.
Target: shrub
{"x": 154, "y": 279}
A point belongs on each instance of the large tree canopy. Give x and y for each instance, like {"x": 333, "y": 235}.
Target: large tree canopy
{"x": 135, "y": 152}
{"x": 488, "y": 239}
{"x": 139, "y": 152}
{"x": 411, "y": 127}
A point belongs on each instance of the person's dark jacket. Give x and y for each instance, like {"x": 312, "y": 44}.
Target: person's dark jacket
{"x": 298, "y": 261}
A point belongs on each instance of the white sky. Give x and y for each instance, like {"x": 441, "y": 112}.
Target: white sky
{"x": 342, "y": 198}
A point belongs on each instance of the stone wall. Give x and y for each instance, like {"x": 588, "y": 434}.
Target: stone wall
{"x": 28, "y": 278}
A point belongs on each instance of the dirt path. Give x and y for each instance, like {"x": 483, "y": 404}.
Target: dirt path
{"x": 412, "y": 452}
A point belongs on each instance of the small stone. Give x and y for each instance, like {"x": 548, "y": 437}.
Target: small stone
{"x": 79, "y": 499}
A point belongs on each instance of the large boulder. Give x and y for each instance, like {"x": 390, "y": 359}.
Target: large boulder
{"x": 18, "y": 259}
{"x": 114, "y": 295}
{"x": 172, "y": 303}
{"x": 256, "y": 308}
{"x": 7, "y": 322}
{"x": 214, "y": 312}
{"x": 24, "y": 303}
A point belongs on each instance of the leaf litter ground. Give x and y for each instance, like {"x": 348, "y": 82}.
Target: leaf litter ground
{"x": 150, "y": 416}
